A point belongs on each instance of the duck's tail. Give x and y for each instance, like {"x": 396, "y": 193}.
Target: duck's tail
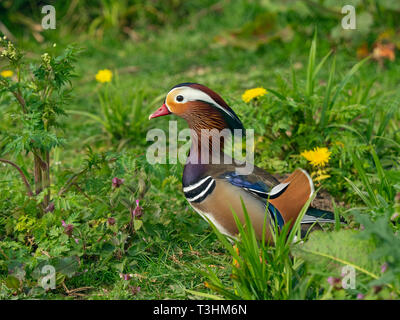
{"x": 317, "y": 215}
{"x": 292, "y": 194}
{"x": 313, "y": 219}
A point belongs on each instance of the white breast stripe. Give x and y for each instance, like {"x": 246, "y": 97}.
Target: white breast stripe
{"x": 194, "y": 186}
{"x": 202, "y": 193}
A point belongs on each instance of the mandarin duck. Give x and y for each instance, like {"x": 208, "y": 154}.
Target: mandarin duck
{"x": 214, "y": 189}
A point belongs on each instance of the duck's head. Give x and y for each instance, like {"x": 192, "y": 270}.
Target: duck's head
{"x": 200, "y": 106}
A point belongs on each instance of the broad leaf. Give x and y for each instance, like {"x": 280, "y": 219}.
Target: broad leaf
{"x": 328, "y": 252}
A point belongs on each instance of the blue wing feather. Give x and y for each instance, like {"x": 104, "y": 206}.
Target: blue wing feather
{"x": 259, "y": 188}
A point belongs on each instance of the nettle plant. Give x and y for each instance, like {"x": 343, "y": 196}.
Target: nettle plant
{"x": 35, "y": 97}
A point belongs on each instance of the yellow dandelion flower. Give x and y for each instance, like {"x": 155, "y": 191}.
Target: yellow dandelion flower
{"x": 6, "y": 73}
{"x": 318, "y": 156}
{"x": 104, "y": 75}
{"x": 250, "y": 94}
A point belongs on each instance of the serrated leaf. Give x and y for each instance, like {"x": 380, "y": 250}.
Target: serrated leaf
{"x": 329, "y": 251}
{"x": 137, "y": 224}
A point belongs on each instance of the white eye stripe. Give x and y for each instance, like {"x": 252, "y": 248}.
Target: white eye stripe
{"x": 191, "y": 94}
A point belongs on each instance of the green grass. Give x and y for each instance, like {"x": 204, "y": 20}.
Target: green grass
{"x": 165, "y": 255}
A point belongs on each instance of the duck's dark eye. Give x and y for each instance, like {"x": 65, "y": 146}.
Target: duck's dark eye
{"x": 179, "y": 98}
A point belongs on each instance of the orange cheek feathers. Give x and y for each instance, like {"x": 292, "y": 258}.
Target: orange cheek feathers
{"x": 176, "y": 108}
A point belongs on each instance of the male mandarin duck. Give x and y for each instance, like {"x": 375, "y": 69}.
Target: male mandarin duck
{"x": 214, "y": 189}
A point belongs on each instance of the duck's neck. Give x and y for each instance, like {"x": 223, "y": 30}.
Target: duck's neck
{"x": 204, "y": 153}
{"x": 209, "y": 134}
{"x": 207, "y": 145}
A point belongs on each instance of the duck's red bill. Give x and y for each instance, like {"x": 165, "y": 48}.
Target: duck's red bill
{"x": 162, "y": 111}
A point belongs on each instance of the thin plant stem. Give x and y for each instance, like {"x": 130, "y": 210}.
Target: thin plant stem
{"x": 24, "y": 178}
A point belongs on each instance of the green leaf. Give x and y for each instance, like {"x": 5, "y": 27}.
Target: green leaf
{"x": 326, "y": 104}
{"x": 107, "y": 247}
{"x": 384, "y": 186}
{"x": 205, "y": 295}
{"x": 60, "y": 278}
{"x": 67, "y": 266}
{"x": 137, "y": 224}
{"x": 12, "y": 282}
{"x": 311, "y": 66}
{"x": 319, "y": 66}
{"x": 347, "y": 78}
{"x": 364, "y": 179}
{"x": 328, "y": 252}
{"x": 89, "y": 115}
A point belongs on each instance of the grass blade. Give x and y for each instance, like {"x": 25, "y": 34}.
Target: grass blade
{"x": 346, "y": 79}
{"x": 311, "y": 66}
{"x": 325, "y": 106}
{"x": 384, "y": 186}
{"x": 364, "y": 179}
